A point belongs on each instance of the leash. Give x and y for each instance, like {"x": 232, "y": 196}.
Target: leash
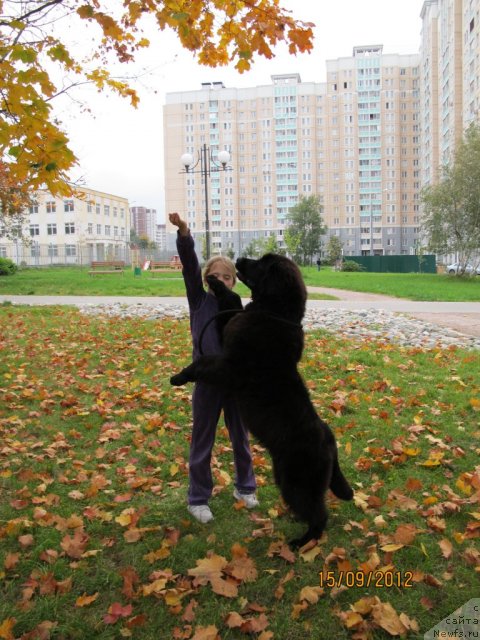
{"x": 209, "y": 322}
{"x": 235, "y": 311}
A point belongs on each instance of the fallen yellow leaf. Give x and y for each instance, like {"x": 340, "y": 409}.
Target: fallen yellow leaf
{"x": 84, "y": 600}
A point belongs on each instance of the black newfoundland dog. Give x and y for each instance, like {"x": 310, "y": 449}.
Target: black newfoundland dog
{"x": 261, "y": 348}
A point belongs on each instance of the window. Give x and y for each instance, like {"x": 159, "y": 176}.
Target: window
{"x": 34, "y": 230}
{"x": 99, "y": 229}
{"x": 52, "y": 251}
{"x": 51, "y": 229}
{"x": 97, "y": 208}
{"x": 69, "y": 228}
{"x": 68, "y": 205}
{"x": 70, "y": 250}
{"x": 90, "y": 228}
{"x": 106, "y": 209}
{"x": 33, "y": 208}
{"x": 51, "y": 206}
{"x": 107, "y": 229}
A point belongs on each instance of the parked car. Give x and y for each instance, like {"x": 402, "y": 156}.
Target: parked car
{"x": 456, "y": 267}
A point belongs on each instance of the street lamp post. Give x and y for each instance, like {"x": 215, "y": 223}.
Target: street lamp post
{"x": 207, "y": 164}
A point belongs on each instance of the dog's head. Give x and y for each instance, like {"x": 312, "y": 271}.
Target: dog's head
{"x": 276, "y": 284}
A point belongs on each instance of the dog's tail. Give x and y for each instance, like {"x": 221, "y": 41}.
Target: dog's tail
{"x": 339, "y": 484}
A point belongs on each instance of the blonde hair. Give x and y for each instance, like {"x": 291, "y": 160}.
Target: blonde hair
{"x": 223, "y": 260}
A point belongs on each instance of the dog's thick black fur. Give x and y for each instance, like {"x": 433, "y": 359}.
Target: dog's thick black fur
{"x": 261, "y": 348}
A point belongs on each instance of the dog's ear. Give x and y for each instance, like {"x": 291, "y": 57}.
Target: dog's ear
{"x": 283, "y": 275}
{"x": 282, "y": 287}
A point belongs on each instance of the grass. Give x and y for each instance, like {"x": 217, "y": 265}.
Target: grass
{"x": 76, "y": 281}
{"x": 413, "y": 286}
{"x": 93, "y": 481}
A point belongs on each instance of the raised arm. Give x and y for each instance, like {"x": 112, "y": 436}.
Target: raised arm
{"x": 192, "y": 273}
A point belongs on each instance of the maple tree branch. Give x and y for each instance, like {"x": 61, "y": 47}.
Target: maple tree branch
{"x": 38, "y": 9}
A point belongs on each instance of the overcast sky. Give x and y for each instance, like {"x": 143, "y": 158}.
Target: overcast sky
{"x": 121, "y": 149}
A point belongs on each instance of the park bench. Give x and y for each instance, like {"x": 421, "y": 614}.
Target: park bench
{"x": 106, "y": 266}
{"x": 166, "y": 265}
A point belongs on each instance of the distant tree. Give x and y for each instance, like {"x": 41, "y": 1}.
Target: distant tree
{"x": 14, "y": 203}
{"x": 134, "y": 239}
{"x": 144, "y": 242}
{"x": 38, "y": 63}
{"x": 260, "y": 246}
{"x": 451, "y": 208}
{"x": 303, "y": 235}
{"x": 271, "y": 245}
{"x": 333, "y": 249}
{"x": 253, "y": 249}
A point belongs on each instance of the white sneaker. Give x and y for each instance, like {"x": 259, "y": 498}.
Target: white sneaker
{"x": 201, "y": 512}
{"x": 250, "y": 499}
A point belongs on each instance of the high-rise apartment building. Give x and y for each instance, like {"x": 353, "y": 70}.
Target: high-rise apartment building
{"x": 354, "y": 141}
{"x": 471, "y": 60}
{"x": 161, "y": 236}
{"x": 372, "y": 129}
{"x": 429, "y": 81}
{"x": 144, "y": 221}
{"x": 450, "y": 79}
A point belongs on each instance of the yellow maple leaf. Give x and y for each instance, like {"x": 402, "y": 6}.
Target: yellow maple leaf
{"x": 475, "y": 404}
{"x": 84, "y": 600}
{"x": 125, "y": 518}
{"x": 352, "y": 619}
{"x": 430, "y": 463}
{"x": 390, "y": 548}
{"x": 6, "y": 629}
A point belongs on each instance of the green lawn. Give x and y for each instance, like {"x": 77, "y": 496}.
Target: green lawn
{"x": 76, "y": 281}
{"x": 414, "y": 286}
{"x": 95, "y": 538}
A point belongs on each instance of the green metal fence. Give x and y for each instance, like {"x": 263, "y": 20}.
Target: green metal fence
{"x": 397, "y": 264}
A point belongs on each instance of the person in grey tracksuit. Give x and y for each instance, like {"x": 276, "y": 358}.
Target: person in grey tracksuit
{"x": 207, "y": 400}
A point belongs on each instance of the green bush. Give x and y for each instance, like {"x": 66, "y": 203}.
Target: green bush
{"x": 7, "y": 267}
{"x": 351, "y": 265}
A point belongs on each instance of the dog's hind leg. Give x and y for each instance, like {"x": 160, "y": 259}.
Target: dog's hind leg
{"x": 339, "y": 484}
{"x": 308, "y": 504}
{"x": 315, "y": 528}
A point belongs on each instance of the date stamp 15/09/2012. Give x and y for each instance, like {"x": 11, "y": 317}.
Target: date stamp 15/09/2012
{"x": 373, "y": 579}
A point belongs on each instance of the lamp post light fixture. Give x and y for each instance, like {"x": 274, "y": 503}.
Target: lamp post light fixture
{"x": 207, "y": 165}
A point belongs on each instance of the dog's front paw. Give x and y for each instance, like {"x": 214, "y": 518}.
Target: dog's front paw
{"x": 216, "y": 285}
{"x": 179, "y": 379}
{"x": 187, "y": 374}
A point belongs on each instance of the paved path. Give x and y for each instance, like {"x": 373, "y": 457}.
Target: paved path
{"x": 461, "y": 316}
